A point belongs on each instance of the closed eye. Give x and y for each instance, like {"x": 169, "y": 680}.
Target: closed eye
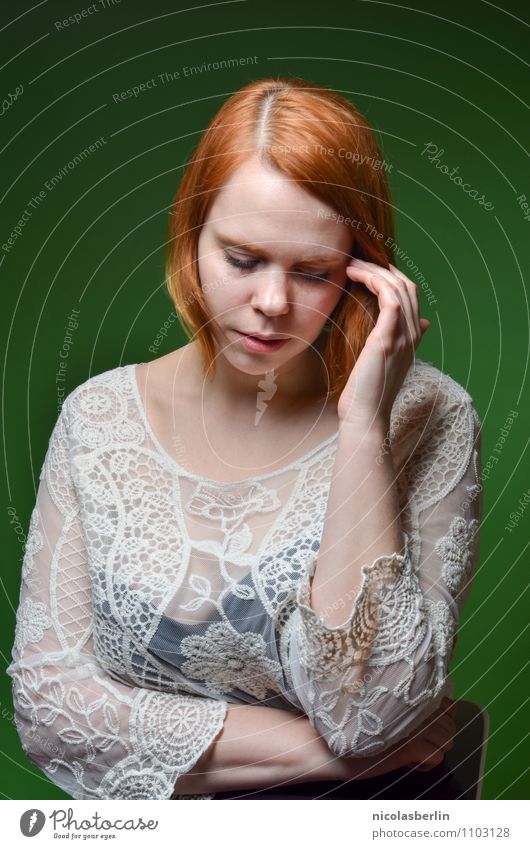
{"x": 249, "y": 264}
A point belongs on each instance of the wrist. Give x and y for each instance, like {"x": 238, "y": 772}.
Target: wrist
{"x": 376, "y": 426}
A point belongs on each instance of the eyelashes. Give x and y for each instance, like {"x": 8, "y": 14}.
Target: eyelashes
{"x": 243, "y": 264}
{"x": 249, "y": 264}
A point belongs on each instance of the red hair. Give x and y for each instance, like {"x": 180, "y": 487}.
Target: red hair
{"x": 299, "y": 128}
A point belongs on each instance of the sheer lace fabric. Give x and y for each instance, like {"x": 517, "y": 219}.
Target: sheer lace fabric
{"x": 152, "y": 598}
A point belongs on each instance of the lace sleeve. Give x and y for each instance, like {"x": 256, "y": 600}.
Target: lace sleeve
{"x": 93, "y": 736}
{"x": 370, "y": 681}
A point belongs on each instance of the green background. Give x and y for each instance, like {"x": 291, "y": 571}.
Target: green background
{"x": 452, "y": 74}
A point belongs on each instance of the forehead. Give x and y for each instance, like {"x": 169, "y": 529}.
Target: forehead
{"x": 259, "y": 204}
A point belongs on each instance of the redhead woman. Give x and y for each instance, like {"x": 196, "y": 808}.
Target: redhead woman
{"x": 248, "y": 558}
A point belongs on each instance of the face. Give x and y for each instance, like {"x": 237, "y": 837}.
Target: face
{"x": 271, "y": 262}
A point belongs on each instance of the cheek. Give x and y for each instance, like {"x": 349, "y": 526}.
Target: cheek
{"x": 333, "y": 296}
{"x": 218, "y": 287}
{"x": 318, "y": 303}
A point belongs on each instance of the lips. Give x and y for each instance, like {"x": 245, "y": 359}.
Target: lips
{"x": 264, "y": 338}
{"x": 260, "y": 344}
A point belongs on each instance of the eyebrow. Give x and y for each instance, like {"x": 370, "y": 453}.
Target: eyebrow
{"x": 315, "y": 258}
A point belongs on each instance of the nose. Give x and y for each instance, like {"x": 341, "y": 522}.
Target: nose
{"x": 271, "y": 293}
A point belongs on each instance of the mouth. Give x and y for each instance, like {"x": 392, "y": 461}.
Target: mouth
{"x": 261, "y": 343}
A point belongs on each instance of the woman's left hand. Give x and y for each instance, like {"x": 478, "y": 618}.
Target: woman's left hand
{"x": 389, "y": 350}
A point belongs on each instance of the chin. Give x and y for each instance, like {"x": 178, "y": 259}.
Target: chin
{"x": 258, "y": 366}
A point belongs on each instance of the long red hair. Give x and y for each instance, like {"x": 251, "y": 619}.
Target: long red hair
{"x": 300, "y": 128}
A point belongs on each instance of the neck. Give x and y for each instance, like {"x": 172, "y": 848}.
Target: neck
{"x": 296, "y": 382}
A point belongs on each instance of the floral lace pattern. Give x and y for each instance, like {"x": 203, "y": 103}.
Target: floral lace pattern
{"x": 117, "y": 693}
{"x": 389, "y": 600}
{"x": 34, "y": 543}
{"x": 227, "y": 660}
{"x": 456, "y": 551}
{"x": 32, "y": 621}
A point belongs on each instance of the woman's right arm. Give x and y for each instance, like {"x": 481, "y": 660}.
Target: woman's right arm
{"x": 94, "y": 736}
{"x": 263, "y": 747}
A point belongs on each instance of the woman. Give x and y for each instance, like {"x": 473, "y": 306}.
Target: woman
{"x": 177, "y": 633}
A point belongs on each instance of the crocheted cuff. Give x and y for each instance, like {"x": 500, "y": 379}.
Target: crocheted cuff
{"x": 175, "y": 731}
{"x": 386, "y": 586}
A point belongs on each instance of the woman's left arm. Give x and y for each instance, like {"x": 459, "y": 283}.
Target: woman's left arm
{"x": 397, "y": 551}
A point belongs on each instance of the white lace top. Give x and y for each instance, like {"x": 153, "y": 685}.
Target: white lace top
{"x": 152, "y": 597}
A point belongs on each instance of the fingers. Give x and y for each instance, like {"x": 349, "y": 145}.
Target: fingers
{"x": 399, "y": 290}
{"x": 441, "y": 725}
{"x": 412, "y": 293}
{"x": 435, "y": 747}
{"x": 433, "y": 738}
{"x": 441, "y": 737}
